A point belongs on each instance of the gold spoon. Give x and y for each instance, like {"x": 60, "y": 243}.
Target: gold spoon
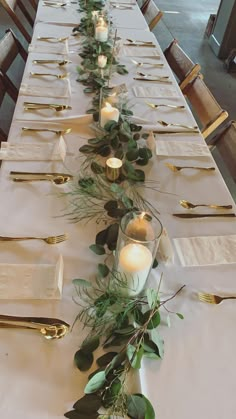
{"x": 166, "y": 124}
{"x": 58, "y": 76}
{"x": 66, "y": 131}
{"x": 154, "y": 106}
{"x": 178, "y": 168}
{"x": 189, "y": 205}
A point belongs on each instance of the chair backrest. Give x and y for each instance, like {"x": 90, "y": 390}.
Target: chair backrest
{"x": 181, "y": 64}
{"x": 10, "y": 47}
{"x": 10, "y": 7}
{"x": 4, "y": 88}
{"x": 225, "y": 143}
{"x": 151, "y": 13}
{"x": 207, "y": 109}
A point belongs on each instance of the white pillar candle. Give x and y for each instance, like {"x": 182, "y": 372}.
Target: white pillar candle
{"x": 140, "y": 229}
{"x": 102, "y": 61}
{"x": 135, "y": 261}
{"x": 108, "y": 113}
{"x": 101, "y": 31}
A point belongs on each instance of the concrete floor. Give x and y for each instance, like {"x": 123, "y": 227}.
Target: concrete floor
{"x": 188, "y": 26}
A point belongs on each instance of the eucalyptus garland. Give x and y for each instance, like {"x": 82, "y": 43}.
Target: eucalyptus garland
{"x": 124, "y": 326}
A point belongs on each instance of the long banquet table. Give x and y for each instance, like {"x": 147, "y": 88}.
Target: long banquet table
{"x": 38, "y": 379}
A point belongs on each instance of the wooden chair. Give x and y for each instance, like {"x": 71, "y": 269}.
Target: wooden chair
{"x": 225, "y": 144}
{"x": 3, "y": 90}
{"x": 181, "y": 64}
{"x": 10, "y": 6}
{"x": 10, "y": 47}
{"x": 151, "y": 13}
{"x": 208, "y": 111}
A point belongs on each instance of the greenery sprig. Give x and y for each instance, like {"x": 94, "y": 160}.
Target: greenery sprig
{"x": 116, "y": 319}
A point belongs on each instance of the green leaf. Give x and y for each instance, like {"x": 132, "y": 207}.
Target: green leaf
{"x": 157, "y": 339}
{"x": 155, "y": 264}
{"x": 110, "y": 125}
{"x": 73, "y": 414}
{"x": 125, "y": 331}
{"x": 103, "y": 270}
{"x": 136, "y": 407}
{"x": 134, "y": 356}
{"x": 110, "y": 205}
{"x": 145, "y": 153}
{"x": 105, "y": 359}
{"x": 97, "y": 248}
{"x": 152, "y": 297}
{"x": 90, "y": 344}
{"x": 154, "y": 321}
{"x": 97, "y": 168}
{"x": 111, "y": 393}
{"x": 128, "y": 203}
{"x": 81, "y": 283}
{"x": 112, "y": 235}
{"x": 83, "y": 360}
{"x": 101, "y": 237}
{"x": 86, "y": 149}
{"x": 88, "y": 404}
{"x": 96, "y": 382}
{"x": 180, "y": 315}
{"x": 119, "y": 154}
{"x": 142, "y": 162}
{"x": 132, "y": 154}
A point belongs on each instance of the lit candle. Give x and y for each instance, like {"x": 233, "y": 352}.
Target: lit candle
{"x": 101, "y": 31}
{"x": 113, "y": 168}
{"x": 140, "y": 228}
{"x": 135, "y": 261}
{"x": 95, "y": 15}
{"x": 102, "y": 61}
{"x": 108, "y": 113}
{"x": 112, "y": 98}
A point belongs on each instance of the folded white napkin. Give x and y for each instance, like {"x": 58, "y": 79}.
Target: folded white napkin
{"x": 61, "y": 88}
{"x": 181, "y": 148}
{"x": 33, "y": 151}
{"x": 41, "y": 281}
{"x": 140, "y": 52}
{"x": 155, "y": 91}
{"x": 49, "y": 47}
{"x": 212, "y": 250}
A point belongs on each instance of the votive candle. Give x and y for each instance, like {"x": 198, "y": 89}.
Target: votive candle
{"x": 113, "y": 168}
{"x": 102, "y": 61}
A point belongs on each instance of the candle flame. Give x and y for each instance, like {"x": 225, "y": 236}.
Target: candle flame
{"x": 108, "y": 105}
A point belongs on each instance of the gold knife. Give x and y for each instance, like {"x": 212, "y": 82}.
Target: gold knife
{"x": 140, "y": 45}
{"x": 186, "y": 131}
{"x": 153, "y": 80}
{"x": 183, "y": 215}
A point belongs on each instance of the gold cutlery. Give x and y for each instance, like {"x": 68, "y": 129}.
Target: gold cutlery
{"x": 178, "y": 168}
{"x": 50, "y": 328}
{"x": 39, "y": 106}
{"x": 152, "y": 75}
{"x": 153, "y": 80}
{"x": 212, "y": 298}
{"x": 138, "y": 41}
{"x": 166, "y": 124}
{"x": 58, "y": 76}
{"x": 172, "y": 132}
{"x": 48, "y": 240}
{"x": 141, "y": 45}
{"x": 59, "y": 62}
{"x": 121, "y": 7}
{"x": 149, "y": 64}
{"x": 59, "y": 132}
{"x": 189, "y": 205}
{"x": 179, "y": 215}
{"x": 154, "y": 106}
{"x": 56, "y": 178}
{"x": 49, "y": 4}
{"x": 52, "y": 38}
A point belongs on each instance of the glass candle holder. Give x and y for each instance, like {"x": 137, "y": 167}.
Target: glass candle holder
{"x": 101, "y": 30}
{"x": 137, "y": 244}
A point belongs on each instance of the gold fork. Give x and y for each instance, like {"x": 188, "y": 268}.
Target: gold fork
{"x": 212, "y": 299}
{"x": 155, "y": 106}
{"x": 48, "y": 240}
{"x": 178, "y": 168}
{"x": 57, "y": 132}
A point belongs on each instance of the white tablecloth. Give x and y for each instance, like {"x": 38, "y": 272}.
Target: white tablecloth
{"x": 38, "y": 379}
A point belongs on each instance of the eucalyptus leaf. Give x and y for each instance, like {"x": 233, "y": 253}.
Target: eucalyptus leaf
{"x": 96, "y": 382}
{"x": 90, "y": 344}
{"x": 97, "y": 248}
{"x": 111, "y": 205}
{"x": 132, "y": 154}
{"x": 83, "y": 360}
{"x": 87, "y": 149}
{"x": 101, "y": 237}
{"x": 180, "y": 316}
{"x": 88, "y": 404}
{"x": 154, "y": 321}
{"x": 111, "y": 393}
{"x": 135, "y": 356}
{"x": 81, "y": 283}
{"x": 152, "y": 297}
{"x": 157, "y": 339}
{"x": 103, "y": 270}
{"x": 136, "y": 407}
{"x": 97, "y": 168}
{"x": 105, "y": 359}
